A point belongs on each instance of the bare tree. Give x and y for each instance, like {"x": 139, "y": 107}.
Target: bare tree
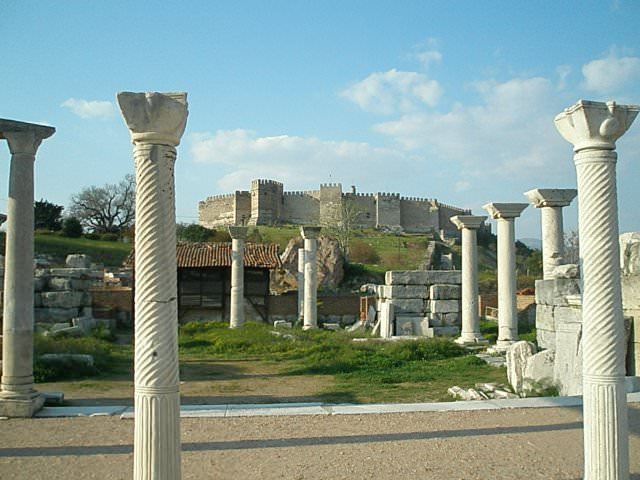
{"x": 342, "y": 222}
{"x": 107, "y": 209}
{"x": 571, "y": 247}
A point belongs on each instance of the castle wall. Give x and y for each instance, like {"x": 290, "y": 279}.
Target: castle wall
{"x": 444, "y": 219}
{"x": 266, "y": 202}
{"x": 330, "y": 202}
{"x": 388, "y": 210}
{"x": 418, "y": 215}
{"x": 217, "y": 211}
{"x": 365, "y": 204}
{"x": 242, "y": 210}
{"x": 300, "y": 208}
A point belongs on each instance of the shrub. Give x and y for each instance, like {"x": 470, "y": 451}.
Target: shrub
{"x": 92, "y": 236}
{"x": 71, "y": 227}
{"x": 109, "y": 237}
{"x": 362, "y": 252}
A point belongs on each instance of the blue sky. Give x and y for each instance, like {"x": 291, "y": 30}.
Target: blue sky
{"x": 446, "y": 100}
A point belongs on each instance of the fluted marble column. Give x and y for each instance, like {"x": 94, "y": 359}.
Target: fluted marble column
{"x": 593, "y": 128}
{"x": 505, "y": 215}
{"x": 310, "y": 235}
{"x": 300, "y": 284}
{"x": 157, "y": 122}
{"x": 551, "y": 201}
{"x": 469, "y": 225}
{"x": 18, "y": 398}
{"x": 236, "y": 313}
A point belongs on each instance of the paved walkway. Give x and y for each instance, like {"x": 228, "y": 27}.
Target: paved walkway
{"x": 537, "y": 438}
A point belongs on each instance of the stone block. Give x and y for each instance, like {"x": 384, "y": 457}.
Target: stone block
{"x": 411, "y": 325}
{"x": 78, "y": 260}
{"x": 546, "y": 338}
{"x": 386, "y": 316}
{"x": 405, "y": 291}
{"x": 554, "y": 291}
{"x": 331, "y": 326}
{"x": 444, "y": 306}
{"x": 71, "y": 331}
{"x": 63, "y": 299}
{"x": 445, "y": 331}
{"x": 567, "y": 370}
{"x": 567, "y": 315}
{"x": 79, "y": 358}
{"x": 40, "y": 283}
{"x": 408, "y": 305}
{"x": 517, "y": 356}
{"x": 539, "y": 367}
{"x": 445, "y": 292}
{"x": 630, "y": 292}
{"x": 445, "y": 319}
{"x": 51, "y": 315}
{"x": 423, "y": 277}
{"x": 544, "y": 317}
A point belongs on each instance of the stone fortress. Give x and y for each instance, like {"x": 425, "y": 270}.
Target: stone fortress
{"x": 268, "y": 204}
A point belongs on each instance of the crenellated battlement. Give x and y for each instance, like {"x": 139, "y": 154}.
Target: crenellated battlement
{"x": 417, "y": 199}
{"x": 264, "y": 181}
{"x": 331, "y": 185}
{"x": 455, "y": 209}
{"x": 359, "y": 195}
{"x": 298, "y": 194}
{"x": 388, "y": 195}
{"x": 223, "y": 196}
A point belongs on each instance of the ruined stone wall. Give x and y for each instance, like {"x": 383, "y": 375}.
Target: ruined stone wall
{"x": 388, "y": 210}
{"x": 418, "y": 215}
{"x": 266, "y": 202}
{"x": 217, "y": 210}
{"x": 300, "y": 208}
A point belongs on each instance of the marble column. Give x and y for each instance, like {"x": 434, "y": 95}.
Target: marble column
{"x": 550, "y": 201}
{"x": 310, "y": 235}
{"x": 300, "y": 285}
{"x": 238, "y": 236}
{"x": 593, "y": 128}
{"x": 469, "y": 225}
{"x": 505, "y": 215}
{"x": 18, "y": 398}
{"x": 157, "y": 122}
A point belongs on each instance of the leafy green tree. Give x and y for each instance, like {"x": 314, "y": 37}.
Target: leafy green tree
{"x": 71, "y": 227}
{"x": 47, "y": 215}
{"x": 193, "y": 232}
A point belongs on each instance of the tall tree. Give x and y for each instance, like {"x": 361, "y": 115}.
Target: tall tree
{"x": 47, "y": 215}
{"x": 107, "y": 209}
{"x": 342, "y": 222}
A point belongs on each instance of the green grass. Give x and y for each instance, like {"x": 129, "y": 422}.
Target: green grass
{"x": 489, "y": 330}
{"x": 109, "y": 253}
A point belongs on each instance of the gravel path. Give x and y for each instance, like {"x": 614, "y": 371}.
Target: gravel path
{"x": 503, "y": 444}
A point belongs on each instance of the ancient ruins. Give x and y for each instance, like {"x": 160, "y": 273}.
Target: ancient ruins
{"x": 268, "y": 204}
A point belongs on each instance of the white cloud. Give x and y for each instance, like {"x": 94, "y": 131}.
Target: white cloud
{"x": 563, "y": 72}
{"x": 611, "y": 74}
{"x": 297, "y": 161}
{"x": 394, "y": 91}
{"x": 90, "y": 108}
{"x": 427, "y": 53}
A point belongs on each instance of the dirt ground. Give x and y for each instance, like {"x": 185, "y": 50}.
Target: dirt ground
{"x": 503, "y": 444}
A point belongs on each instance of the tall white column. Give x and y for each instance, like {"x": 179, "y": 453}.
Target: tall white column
{"x": 593, "y": 128}
{"x": 550, "y": 201}
{"x": 236, "y": 313}
{"x": 505, "y": 215}
{"x": 18, "y": 398}
{"x": 157, "y": 122}
{"x": 469, "y": 226}
{"x": 310, "y": 235}
{"x": 300, "y": 284}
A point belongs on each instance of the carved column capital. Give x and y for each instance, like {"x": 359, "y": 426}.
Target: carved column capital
{"x": 551, "y": 197}
{"x": 505, "y": 211}
{"x": 309, "y": 232}
{"x": 238, "y": 233}
{"x": 468, "y": 221}
{"x": 23, "y": 137}
{"x": 153, "y": 117}
{"x": 595, "y": 125}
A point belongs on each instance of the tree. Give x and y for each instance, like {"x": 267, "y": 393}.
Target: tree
{"x": 193, "y": 232}
{"x": 47, "y": 215}
{"x": 71, "y": 227}
{"x": 341, "y": 223}
{"x": 571, "y": 247}
{"x": 107, "y": 209}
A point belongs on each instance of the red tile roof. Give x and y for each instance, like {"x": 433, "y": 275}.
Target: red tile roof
{"x": 199, "y": 255}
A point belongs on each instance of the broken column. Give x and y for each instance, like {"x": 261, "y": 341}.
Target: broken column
{"x": 18, "y": 398}
{"x": 238, "y": 236}
{"x": 157, "y": 122}
{"x": 300, "y": 284}
{"x": 310, "y": 235}
{"x": 593, "y": 128}
{"x": 469, "y": 226}
{"x": 505, "y": 215}
{"x": 550, "y": 201}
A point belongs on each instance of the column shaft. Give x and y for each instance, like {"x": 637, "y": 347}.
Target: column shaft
{"x": 237, "y": 283}
{"x": 310, "y": 284}
{"x": 470, "y": 321}
{"x": 300, "y": 284}
{"x": 605, "y": 408}
{"x": 507, "y": 311}
{"x": 552, "y": 240}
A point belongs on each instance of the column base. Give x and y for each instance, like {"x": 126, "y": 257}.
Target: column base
{"x": 502, "y": 346}
{"x": 20, "y": 406}
{"x": 309, "y": 327}
{"x": 471, "y": 340}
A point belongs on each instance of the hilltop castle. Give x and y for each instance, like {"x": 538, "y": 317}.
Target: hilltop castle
{"x": 268, "y": 204}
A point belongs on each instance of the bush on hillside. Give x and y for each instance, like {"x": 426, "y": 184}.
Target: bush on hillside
{"x": 362, "y": 252}
{"x": 71, "y": 227}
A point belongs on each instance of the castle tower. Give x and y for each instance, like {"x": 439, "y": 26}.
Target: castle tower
{"x": 266, "y": 202}
{"x": 330, "y": 202}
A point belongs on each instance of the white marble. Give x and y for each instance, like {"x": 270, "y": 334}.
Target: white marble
{"x": 593, "y": 128}
{"x": 18, "y": 398}
{"x": 469, "y": 225}
{"x": 310, "y": 235}
{"x": 300, "y": 284}
{"x": 157, "y": 122}
{"x": 236, "y": 312}
{"x": 551, "y": 201}
{"x": 505, "y": 215}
